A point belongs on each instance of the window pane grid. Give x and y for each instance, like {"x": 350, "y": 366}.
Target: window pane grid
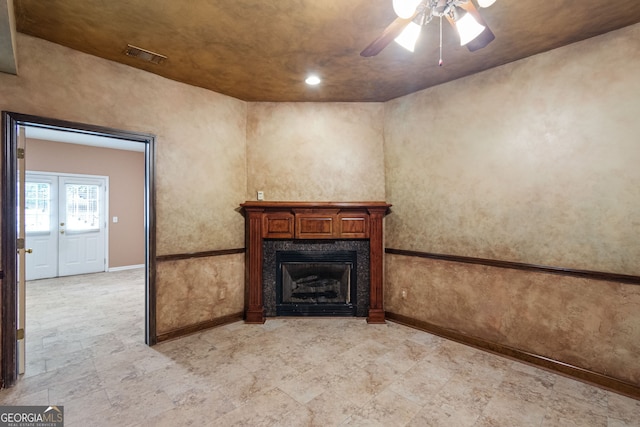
{"x": 37, "y": 206}
{"x": 82, "y": 208}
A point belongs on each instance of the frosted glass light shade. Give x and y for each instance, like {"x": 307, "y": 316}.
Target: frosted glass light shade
{"x": 468, "y": 28}
{"x": 485, "y": 3}
{"x": 409, "y": 36}
{"x": 405, "y": 8}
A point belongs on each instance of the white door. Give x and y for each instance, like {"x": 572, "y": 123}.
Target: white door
{"x": 66, "y": 224}
{"x": 81, "y": 225}
{"x": 41, "y": 218}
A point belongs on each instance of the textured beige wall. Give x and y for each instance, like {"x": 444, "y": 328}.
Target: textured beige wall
{"x": 200, "y": 135}
{"x": 199, "y": 290}
{"x": 315, "y": 151}
{"x": 200, "y": 150}
{"x": 586, "y": 323}
{"x": 536, "y": 162}
{"x": 125, "y": 170}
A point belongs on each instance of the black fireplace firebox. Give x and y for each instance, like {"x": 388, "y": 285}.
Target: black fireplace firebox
{"x": 315, "y": 295}
{"x": 316, "y": 283}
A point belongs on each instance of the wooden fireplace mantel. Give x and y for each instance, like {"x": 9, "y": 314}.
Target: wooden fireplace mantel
{"x": 312, "y": 220}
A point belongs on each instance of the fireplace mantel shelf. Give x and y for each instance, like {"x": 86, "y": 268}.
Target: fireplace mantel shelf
{"x": 312, "y": 220}
{"x": 313, "y": 205}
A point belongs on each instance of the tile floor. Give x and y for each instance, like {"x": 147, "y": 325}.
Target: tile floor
{"x": 86, "y": 352}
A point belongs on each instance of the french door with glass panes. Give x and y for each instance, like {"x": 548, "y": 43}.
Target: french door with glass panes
{"x": 65, "y": 218}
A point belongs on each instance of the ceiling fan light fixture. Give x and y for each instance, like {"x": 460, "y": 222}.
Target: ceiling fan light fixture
{"x": 467, "y": 26}
{"x": 405, "y": 8}
{"x": 485, "y": 3}
{"x": 409, "y": 36}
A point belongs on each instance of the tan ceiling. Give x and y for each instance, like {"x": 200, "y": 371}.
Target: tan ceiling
{"x": 262, "y": 50}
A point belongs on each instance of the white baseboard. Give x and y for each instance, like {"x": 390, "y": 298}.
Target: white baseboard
{"x": 125, "y": 267}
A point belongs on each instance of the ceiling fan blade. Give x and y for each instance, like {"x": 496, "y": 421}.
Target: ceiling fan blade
{"x": 387, "y": 36}
{"x": 485, "y": 37}
{"x": 482, "y": 40}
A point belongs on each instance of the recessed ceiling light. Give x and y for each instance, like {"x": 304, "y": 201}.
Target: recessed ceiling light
{"x": 313, "y": 80}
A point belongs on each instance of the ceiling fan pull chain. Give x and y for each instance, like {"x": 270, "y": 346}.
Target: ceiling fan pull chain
{"x": 440, "y": 62}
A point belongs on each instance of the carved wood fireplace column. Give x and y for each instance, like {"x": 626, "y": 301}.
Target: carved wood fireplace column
{"x": 312, "y": 220}
{"x": 376, "y": 310}
{"x": 253, "y": 266}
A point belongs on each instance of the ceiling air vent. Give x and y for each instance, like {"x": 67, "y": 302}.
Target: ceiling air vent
{"x": 145, "y": 55}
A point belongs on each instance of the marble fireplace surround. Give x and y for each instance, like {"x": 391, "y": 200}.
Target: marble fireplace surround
{"x": 294, "y": 221}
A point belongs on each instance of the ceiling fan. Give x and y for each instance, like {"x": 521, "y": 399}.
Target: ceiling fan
{"x": 414, "y": 14}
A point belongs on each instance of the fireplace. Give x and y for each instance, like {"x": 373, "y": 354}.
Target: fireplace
{"x": 342, "y": 266}
{"x": 309, "y": 227}
{"x": 316, "y": 283}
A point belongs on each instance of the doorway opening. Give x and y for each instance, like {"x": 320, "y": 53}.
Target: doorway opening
{"x": 14, "y": 125}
